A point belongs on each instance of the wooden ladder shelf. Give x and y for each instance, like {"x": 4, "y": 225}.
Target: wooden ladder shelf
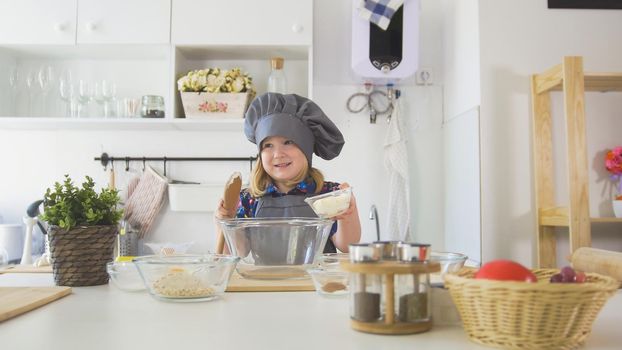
{"x": 569, "y": 78}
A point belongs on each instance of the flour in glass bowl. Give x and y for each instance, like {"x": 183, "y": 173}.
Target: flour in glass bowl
{"x": 178, "y": 283}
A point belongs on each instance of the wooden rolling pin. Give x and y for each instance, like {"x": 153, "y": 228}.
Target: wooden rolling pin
{"x": 604, "y": 262}
{"x": 231, "y": 198}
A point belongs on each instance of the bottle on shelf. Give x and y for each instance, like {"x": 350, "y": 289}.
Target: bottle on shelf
{"x": 277, "y": 81}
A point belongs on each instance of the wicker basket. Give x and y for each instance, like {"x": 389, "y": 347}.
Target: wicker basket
{"x": 520, "y": 315}
{"x": 79, "y": 256}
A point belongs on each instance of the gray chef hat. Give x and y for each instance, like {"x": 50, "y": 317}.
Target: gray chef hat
{"x": 296, "y": 118}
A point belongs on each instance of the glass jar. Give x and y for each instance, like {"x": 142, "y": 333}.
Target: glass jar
{"x": 365, "y": 289}
{"x": 152, "y": 106}
{"x": 413, "y": 291}
{"x": 277, "y": 81}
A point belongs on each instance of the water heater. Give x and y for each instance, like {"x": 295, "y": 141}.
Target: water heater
{"x": 386, "y": 56}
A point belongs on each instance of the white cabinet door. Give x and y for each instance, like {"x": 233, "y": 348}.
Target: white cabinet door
{"x": 123, "y": 21}
{"x": 242, "y": 22}
{"x": 37, "y": 22}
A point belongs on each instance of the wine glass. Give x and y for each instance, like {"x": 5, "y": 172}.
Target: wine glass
{"x": 85, "y": 95}
{"x": 45, "y": 78}
{"x": 30, "y": 84}
{"x": 105, "y": 92}
{"x": 67, "y": 93}
{"x": 14, "y": 77}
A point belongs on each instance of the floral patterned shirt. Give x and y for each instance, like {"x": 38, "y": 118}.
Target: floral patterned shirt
{"x": 247, "y": 206}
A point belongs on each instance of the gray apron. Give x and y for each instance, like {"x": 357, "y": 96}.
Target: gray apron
{"x": 279, "y": 207}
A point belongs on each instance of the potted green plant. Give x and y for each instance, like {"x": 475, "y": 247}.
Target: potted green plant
{"x": 82, "y": 228}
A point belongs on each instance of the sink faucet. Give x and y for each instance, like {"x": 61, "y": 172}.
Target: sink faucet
{"x": 373, "y": 215}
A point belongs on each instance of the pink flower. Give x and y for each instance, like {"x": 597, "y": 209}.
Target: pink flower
{"x": 613, "y": 161}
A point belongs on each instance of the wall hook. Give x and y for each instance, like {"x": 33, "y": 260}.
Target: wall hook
{"x": 164, "y": 166}
{"x": 127, "y": 163}
{"x": 144, "y": 167}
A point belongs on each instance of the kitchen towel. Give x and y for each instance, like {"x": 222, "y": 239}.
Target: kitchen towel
{"x": 145, "y": 201}
{"x": 396, "y": 163}
{"x": 379, "y": 12}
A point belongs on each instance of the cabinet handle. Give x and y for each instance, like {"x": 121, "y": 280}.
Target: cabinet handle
{"x": 297, "y": 28}
{"x": 90, "y": 26}
{"x": 60, "y": 27}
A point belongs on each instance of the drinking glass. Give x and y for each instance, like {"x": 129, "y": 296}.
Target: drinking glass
{"x": 67, "y": 93}
{"x": 14, "y": 76}
{"x": 30, "y": 85}
{"x": 45, "y": 78}
{"x": 85, "y": 95}
{"x": 105, "y": 92}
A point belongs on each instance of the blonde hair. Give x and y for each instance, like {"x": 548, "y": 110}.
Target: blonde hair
{"x": 260, "y": 179}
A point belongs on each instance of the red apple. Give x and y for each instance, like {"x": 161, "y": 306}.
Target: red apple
{"x": 505, "y": 270}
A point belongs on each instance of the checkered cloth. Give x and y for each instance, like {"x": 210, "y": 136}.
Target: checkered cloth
{"x": 379, "y": 11}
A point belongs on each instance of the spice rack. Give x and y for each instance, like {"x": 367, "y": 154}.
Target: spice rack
{"x": 390, "y": 287}
{"x": 569, "y": 78}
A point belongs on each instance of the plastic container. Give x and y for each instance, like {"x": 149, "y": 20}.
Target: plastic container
{"x": 186, "y": 278}
{"x": 330, "y": 204}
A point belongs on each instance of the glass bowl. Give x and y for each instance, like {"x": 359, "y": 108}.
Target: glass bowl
{"x": 330, "y": 204}
{"x": 275, "y": 248}
{"x": 186, "y": 278}
{"x": 124, "y": 275}
{"x": 450, "y": 262}
{"x": 329, "y": 279}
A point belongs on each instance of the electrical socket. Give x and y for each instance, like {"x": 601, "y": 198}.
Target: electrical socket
{"x": 424, "y": 76}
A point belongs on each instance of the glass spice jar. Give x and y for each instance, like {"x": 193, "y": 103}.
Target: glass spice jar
{"x": 365, "y": 289}
{"x": 152, "y": 106}
{"x": 413, "y": 291}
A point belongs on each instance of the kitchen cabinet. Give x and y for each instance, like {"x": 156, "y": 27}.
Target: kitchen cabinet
{"x": 84, "y": 21}
{"x": 123, "y": 21}
{"x": 240, "y": 22}
{"x": 129, "y": 42}
{"x": 38, "y": 22}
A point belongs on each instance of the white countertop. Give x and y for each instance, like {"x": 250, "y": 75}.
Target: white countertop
{"x": 104, "y": 317}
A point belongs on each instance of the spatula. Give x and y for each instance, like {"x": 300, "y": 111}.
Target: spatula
{"x": 231, "y": 197}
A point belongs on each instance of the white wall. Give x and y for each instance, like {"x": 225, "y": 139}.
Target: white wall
{"x": 461, "y": 93}
{"x": 33, "y": 160}
{"x": 519, "y": 38}
{"x": 460, "y": 57}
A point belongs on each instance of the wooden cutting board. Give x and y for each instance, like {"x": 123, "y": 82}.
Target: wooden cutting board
{"x": 18, "y": 300}
{"x": 26, "y": 269}
{"x": 238, "y": 283}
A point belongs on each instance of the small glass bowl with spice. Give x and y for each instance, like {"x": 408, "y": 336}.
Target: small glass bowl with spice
{"x": 329, "y": 279}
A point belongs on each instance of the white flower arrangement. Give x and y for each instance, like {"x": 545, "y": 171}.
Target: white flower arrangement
{"x": 216, "y": 80}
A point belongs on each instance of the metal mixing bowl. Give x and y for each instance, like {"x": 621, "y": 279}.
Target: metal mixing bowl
{"x": 275, "y": 248}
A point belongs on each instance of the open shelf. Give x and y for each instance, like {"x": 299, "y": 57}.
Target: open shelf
{"x": 39, "y": 123}
{"x": 569, "y": 78}
{"x": 558, "y": 217}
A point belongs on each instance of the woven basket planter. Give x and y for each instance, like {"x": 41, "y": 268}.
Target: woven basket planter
{"x": 79, "y": 256}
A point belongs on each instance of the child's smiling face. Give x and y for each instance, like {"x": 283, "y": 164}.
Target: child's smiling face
{"x": 282, "y": 159}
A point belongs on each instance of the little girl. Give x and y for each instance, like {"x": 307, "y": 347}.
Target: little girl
{"x": 287, "y": 130}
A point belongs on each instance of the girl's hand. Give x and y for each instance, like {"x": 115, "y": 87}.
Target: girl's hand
{"x": 351, "y": 209}
{"x": 222, "y": 213}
